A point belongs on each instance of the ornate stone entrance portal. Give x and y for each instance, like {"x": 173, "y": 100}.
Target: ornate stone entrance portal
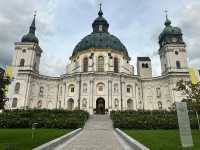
{"x": 100, "y": 106}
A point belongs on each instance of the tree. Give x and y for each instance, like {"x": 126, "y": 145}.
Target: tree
{"x": 192, "y": 92}
{"x": 4, "y": 82}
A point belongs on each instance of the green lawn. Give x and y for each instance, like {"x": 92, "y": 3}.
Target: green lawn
{"x": 21, "y": 139}
{"x": 163, "y": 139}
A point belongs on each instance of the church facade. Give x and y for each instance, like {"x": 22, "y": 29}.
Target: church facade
{"x": 99, "y": 77}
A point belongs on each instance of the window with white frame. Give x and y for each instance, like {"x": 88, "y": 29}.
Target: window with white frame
{"x": 41, "y": 92}
{"x": 100, "y": 64}
{"x": 14, "y": 103}
{"x": 158, "y": 92}
{"x": 17, "y": 88}
{"x": 84, "y": 88}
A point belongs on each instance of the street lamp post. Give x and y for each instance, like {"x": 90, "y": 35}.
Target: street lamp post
{"x": 34, "y": 125}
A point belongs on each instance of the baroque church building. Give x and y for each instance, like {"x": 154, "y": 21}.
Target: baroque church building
{"x": 99, "y": 77}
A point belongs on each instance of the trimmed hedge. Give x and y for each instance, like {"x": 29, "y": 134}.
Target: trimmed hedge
{"x": 148, "y": 120}
{"x": 45, "y": 118}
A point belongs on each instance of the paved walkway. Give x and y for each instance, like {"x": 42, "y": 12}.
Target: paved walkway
{"x": 98, "y": 134}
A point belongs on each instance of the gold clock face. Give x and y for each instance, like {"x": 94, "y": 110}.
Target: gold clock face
{"x": 174, "y": 39}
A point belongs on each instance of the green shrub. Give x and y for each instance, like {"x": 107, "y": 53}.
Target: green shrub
{"x": 149, "y": 120}
{"x": 45, "y": 118}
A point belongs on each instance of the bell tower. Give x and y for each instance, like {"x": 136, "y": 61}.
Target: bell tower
{"x": 172, "y": 49}
{"x": 28, "y": 52}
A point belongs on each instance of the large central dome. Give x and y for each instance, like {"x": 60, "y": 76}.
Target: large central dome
{"x": 100, "y": 38}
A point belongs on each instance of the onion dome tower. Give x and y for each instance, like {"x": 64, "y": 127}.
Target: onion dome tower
{"x": 31, "y": 37}
{"x": 170, "y": 34}
{"x": 172, "y": 50}
{"x": 100, "y": 38}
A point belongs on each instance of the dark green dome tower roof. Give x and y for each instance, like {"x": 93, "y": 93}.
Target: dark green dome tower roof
{"x": 170, "y": 34}
{"x": 31, "y": 37}
{"x": 100, "y": 38}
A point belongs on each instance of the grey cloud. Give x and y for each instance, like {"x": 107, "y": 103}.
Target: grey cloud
{"x": 15, "y": 19}
{"x": 62, "y": 24}
{"x": 190, "y": 23}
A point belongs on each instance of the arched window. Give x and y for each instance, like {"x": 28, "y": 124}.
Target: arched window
{"x": 116, "y": 65}
{"x": 22, "y": 62}
{"x": 160, "y": 105}
{"x": 41, "y": 92}
{"x": 158, "y": 92}
{"x": 70, "y": 104}
{"x": 100, "y": 64}
{"x": 116, "y": 89}
{"x": 84, "y": 88}
{"x": 71, "y": 88}
{"x": 129, "y": 104}
{"x": 84, "y": 103}
{"x": 129, "y": 89}
{"x": 116, "y": 103}
{"x": 17, "y": 88}
{"x": 100, "y": 27}
{"x": 14, "y": 103}
{"x": 178, "y": 65}
{"x": 85, "y": 64}
{"x": 100, "y": 88}
{"x": 145, "y": 65}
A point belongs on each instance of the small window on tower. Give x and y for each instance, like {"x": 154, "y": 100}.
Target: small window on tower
{"x": 158, "y": 92}
{"x": 22, "y": 62}
{"x": 41, "y": 92}
{"x": 178, "y": 65}
{"x": 176, "y": 52}
{"x": 24, "y": 50}
{"x": 72, "y": 90}
{"x": 100, "y": 28}
{"x": 165, "y": 66}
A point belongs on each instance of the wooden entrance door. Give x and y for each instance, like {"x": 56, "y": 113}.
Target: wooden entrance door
{"x": 100, "y": 106}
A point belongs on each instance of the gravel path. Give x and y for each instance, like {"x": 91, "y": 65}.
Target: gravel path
{"x": 98, "y": 134}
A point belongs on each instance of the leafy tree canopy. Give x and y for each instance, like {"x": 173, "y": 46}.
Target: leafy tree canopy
{"x": 4, "y": 82}
{"x": 192, "y": 92}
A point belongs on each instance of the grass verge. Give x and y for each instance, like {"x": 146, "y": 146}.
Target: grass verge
{"x": 163, "y": 139}
{"x": 21, "y": 139}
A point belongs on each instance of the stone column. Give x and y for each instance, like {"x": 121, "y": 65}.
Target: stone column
{"x": 109, "y": 94}
{"x": 65, "y": 85}
{"x": 91, "y": 95}
{"x": 79, "y": 91}
{"x": 122, "y": 92}
{"x": 123, "y": 96}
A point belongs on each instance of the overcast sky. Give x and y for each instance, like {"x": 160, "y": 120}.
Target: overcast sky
{"x": 61, "y": 24}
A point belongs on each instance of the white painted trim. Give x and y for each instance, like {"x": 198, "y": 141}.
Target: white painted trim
{"x": 54, "y": 143}
{"x": 132, "y": 142}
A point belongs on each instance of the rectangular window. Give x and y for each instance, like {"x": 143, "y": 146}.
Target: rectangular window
{"x": 41, "y": 93}
{"x": 158, "y": 92}
{"x": 72, "y": 89}
{"x": 100, "y": 88}
{"x": 100, "y": 28}
{"x": 178, "y": 65}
